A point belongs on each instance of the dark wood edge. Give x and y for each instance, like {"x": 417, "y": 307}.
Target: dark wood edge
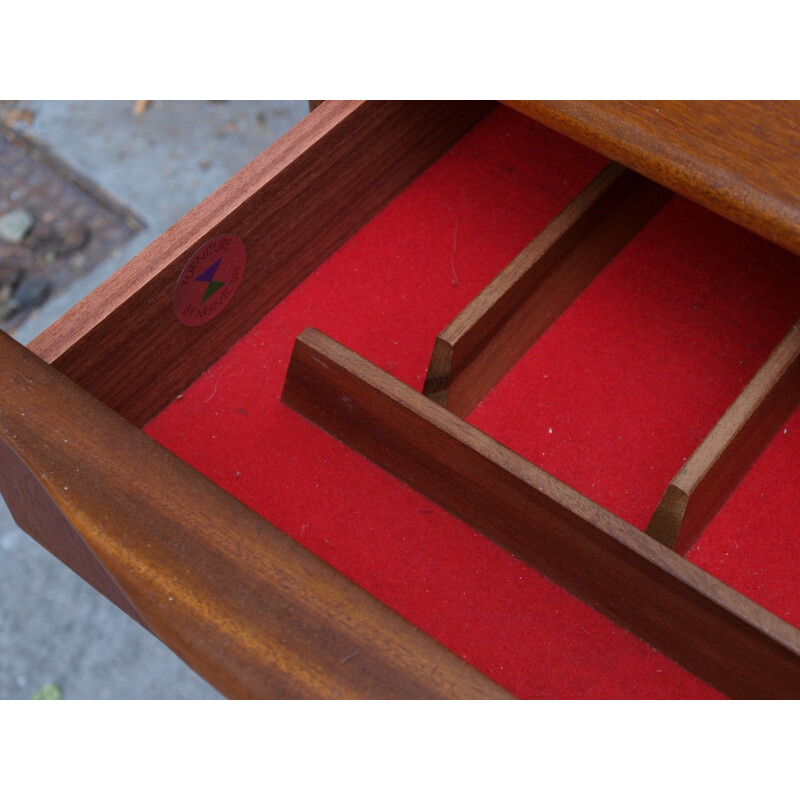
{"x": 669, "y": 148}
{"x": 697, "y": 620}
{"x": 292, "y": 206}
{"x": 487, "y": 338}
{"x": 723, "y": 458}
{"x": 244, "y": 605}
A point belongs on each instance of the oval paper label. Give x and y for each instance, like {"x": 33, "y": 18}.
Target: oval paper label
{"x": 209, "y": 280}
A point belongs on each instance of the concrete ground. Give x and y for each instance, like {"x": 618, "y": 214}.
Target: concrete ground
{"x": 55, "y": 629}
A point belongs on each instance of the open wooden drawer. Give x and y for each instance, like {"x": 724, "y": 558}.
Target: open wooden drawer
{"x": 377, "y": 223}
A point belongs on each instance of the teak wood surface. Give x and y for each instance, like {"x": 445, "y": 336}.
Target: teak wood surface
{"x": 739, "y": 158}
{"x": 293, "y": 205}
{"x": 242, "y": 603}
{"x": 712, "y": 630}
{"x": 723, "y": 458}
{"x": 487, "y": 338}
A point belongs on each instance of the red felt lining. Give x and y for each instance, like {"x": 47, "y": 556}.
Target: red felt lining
{"x": 612, "y": 399}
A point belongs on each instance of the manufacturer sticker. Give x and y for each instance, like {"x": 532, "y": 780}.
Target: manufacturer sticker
{"x": 209, "y": 280}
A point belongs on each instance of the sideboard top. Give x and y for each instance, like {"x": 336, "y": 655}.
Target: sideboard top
{"x": 739, "y": 158}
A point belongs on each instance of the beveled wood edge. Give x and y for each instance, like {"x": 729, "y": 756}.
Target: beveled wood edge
{"x": 718, "y": 186}
{"x": 725, "y": 456}
{"x": 487, "y": 338}
{"x": 694, "y": 618}
{"x": 37, "y": 513}
{"x": 244, "y": 605}
{"x": 293, "y": 206}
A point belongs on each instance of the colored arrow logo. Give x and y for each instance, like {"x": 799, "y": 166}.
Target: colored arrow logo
{"x": 208, "y": 277}
{"x": 218, "y": 263}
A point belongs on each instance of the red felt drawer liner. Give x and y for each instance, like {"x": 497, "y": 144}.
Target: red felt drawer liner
{"x": 612, "y": 399}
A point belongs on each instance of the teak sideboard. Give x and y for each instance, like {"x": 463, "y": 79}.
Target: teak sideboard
{"x": 446, "y": 400}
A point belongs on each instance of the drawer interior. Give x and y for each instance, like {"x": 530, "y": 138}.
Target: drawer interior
{"x": 614, "y": 396}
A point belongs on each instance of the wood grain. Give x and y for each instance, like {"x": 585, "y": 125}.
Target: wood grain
{"x": 714, "y": 470}
{"x": 292, "y": 206}
{"x": 739, "y": 158}
{"x": 244, "y": 605}
{"x": 487, "y": 338}
{"x": 694, "y": 618}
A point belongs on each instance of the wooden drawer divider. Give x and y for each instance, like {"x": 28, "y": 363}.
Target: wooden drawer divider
{"x": 632, "y": 576}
